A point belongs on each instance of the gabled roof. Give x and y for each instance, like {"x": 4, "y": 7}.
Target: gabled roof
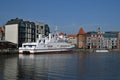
{"x": 81, "y": 31}
{"x": 61, "y": 34}
{"x": 72, "y": 36}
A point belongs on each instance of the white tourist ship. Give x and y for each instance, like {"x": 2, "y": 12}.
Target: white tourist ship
{"x": 52, "y": 43}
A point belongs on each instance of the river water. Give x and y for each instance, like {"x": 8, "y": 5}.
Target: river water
{"x": 63, "y": 66}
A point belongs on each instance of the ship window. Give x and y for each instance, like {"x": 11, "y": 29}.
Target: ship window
{"x": 39, "y": 41}
{"x": 29, "y": 45}
{"x": 49, "y": 46}
{"x": 41, "y": 27}
{"x": 63, "y": 45}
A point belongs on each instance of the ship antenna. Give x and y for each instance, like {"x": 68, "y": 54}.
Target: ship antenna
{"x": 56, "y": 30}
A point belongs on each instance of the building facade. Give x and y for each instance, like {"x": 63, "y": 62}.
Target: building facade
{"x": 72, "y": 38}
{"x": 42, "y": 28}
{"x": 111, "y": 40}
{"x": 100, "y": 40}
{"x": 118, "y": 41}
{"x": 11, "y": 33}
{"x": 19, "y": 31}
{"x": 94, "y": 40}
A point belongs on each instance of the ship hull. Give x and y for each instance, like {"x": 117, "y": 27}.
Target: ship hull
{"x": 42, "y": 51}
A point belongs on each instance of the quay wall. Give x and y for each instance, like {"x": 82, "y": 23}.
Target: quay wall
{"x": 8, "y": 51}
{"x": 92, "y": 50}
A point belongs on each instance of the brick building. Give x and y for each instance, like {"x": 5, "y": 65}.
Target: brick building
{"x": 81, "y": 38}
{"x": 2, "y": 33}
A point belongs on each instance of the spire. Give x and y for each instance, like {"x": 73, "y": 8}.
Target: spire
{"x": 81, "y": 31}
{"x": 98, "y": 30}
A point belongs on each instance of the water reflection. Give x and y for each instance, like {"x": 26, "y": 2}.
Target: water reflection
{"x": 67, "y": 66}
{"x": 76, "y": 66}
{"x": 102, "y": 66}
{"x": 49, "y": 67}
{"x": 81, "y": 64}
{"x": 8, "y": 67}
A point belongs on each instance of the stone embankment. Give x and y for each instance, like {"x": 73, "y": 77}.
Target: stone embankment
{"x": 8, "y": 51}
{"x": 92, "y": 50}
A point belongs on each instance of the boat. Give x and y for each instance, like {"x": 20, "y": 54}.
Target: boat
{"x": 101, "y": 50}
{"x": 51, "y": 43}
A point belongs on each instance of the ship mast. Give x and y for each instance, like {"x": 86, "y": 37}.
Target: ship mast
{"x": 56, "y": 31}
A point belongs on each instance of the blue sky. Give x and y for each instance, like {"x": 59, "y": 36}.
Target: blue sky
{"x": 68, "y": 15}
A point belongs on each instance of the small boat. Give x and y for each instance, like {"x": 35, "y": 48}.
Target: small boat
{"x": 101, "y": 50}
{"x": 51, "y": 43}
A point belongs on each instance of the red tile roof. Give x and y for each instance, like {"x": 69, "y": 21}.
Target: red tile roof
{"x": 1, "y": 29}
{"x": 81, "y": 31}
{"x": 61, "y": 34}
{"x": 72, "y": 36}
